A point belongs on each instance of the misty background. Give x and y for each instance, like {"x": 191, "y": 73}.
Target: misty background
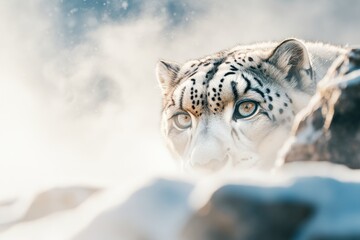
{"x": 78, "y": 95}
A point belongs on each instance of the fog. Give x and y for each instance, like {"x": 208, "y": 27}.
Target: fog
{"x": 78, "y": 95}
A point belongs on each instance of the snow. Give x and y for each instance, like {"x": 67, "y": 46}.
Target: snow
{"x": 80, "y": 104}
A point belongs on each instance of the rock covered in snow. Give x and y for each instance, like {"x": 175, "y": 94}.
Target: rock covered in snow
{"x": 310, "y": 208}
{"x": 157, "y": 211}
{"x": 328, "y": 129}
{"x": 43, "y": 204}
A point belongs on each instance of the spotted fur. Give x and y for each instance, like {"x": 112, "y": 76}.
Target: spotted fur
{"x": 278, "y": 77}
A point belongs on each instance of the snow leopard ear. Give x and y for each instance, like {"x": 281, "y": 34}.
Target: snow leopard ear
{"x": 292, "y": 57}
{"x": 166, "y": 73}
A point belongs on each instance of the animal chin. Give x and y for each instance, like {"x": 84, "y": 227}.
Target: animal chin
{"x": 245, "y": 161}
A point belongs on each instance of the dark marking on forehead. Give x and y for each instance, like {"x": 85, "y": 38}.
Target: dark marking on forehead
{"x": 240, "y": 64}
{"x": 192, "y": 74}
{"x": 248, "y": 83}
{"x": 258, "y": 91}
{"x": 210, "y": 74}
{"x": 234, "y": 90}
{"x": 229, "y": 73}
{"x": 232, "y": 68}
{"x": 258, "y": 81}
{"x": 181, "y": 97}
{"x": 207, "y": 64}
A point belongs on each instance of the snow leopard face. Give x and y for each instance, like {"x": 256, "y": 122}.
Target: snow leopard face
{"x": 236, "y": 107}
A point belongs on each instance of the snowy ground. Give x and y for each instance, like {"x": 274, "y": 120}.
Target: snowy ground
{"x": 80, "y": 103}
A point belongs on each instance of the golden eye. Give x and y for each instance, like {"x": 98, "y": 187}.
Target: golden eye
{"x": 245, "y": 109}
{"x": 182, "y": 121}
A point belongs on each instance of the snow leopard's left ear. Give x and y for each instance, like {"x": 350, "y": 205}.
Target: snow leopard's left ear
{"x": 292, "y": 57}
{"x": 166, "y": 73}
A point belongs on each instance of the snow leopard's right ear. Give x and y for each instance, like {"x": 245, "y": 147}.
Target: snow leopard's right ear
{"x": 166, "y": 73}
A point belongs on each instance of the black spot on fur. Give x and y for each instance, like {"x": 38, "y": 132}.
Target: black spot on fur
{"x": 238, "y": 62}
{"x": 281, "y": 111}
{"x": 267, "y": 90}
{"x": 234, "y": 90}
{"x": 232, "y": 68}
{"x": 270, "y": 106}
{"x": 258, "y": 91}
{"x": 182, "y": 96}
{"x": 248, "y": 83}
{"x": 277, "y": 94}
{"x": 228, "y": 73}
{"x": 285, "y": 104}
{"x": 270, "y": 98}
{"x": 222, "y": 80}
{"x": 251, "y": 59}
{"x": 258, "y": 81}
{"x": 218, "y": 104}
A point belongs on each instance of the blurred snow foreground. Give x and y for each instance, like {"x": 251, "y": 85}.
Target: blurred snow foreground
{"x": 306, "y": 197}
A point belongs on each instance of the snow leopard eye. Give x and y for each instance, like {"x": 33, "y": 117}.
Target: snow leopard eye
{"x": 245, "y": 109}
{"x": 182, "y": 121}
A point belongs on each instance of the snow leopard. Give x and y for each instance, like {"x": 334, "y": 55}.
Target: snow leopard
{"x": 236, "y": 107}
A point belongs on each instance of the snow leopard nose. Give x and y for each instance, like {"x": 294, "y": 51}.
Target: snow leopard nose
{"x": 209, "y": 156}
